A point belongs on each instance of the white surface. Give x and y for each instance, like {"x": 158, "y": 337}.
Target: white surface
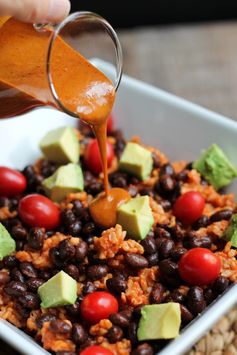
{"x": 179, "y": 128}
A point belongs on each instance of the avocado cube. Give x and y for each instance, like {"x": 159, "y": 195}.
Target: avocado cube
{"x": 215, "y": 167}
{"x": 61, "y": 146}
{"x": 159, "y": 321}
{"x": 7, "y": 243}
{"x": 136, "y": 161}
{"x": 66, "y": 179}
{"x": 135, "y": 216}
{"x": 60, "y": 290}
{"x": 231, "y": 232}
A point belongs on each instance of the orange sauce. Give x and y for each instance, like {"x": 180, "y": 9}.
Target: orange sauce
{"x": 81, "y": 88}
{"x": 103, "y": 209}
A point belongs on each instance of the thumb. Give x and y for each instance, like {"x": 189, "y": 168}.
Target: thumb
{"x": 42, "y": 11}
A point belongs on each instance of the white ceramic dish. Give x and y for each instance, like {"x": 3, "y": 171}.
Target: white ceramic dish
{"x": 177, "y": 127}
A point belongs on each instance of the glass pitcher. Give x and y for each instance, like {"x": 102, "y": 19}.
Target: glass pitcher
{"x": 46, "y": 65}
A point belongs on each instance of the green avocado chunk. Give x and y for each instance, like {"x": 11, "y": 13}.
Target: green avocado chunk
{"x": 61, "y": 146}
{"x": 159, "y": 321}
{"x": 136, "y": 160}
{"x": 215, "y": 167}
{"x": 66, "y": 179}
{"x": 7, "y": 243}
{"x": 135, "y": 216}
{"x": 231, "y": 232}
{"x": 60, "y": 290}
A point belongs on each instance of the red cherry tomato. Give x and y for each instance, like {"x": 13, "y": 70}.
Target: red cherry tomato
{"x": 110, "y": 124}
{"x": 12, "y": 182}
{"x": 199, "y": 266}
{"x": 189, "y": 207}
{"x": 92, "y": 156}
{"x": 39, "y": 211}
{"x": 98, "y": 305}
{"x": 96, "y": 350}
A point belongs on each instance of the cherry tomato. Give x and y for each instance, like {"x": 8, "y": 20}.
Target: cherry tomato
{"x": 12, "y": 182}
{"x": 110, "y": 124}
{"x": 39, "y": 211}
{"x": 92, "y": 156}
{"x": 189, "y": 207}
{"x": 96, "y": 350}
{"x": 98, "y": 305}
{"x": 199, "y": 266}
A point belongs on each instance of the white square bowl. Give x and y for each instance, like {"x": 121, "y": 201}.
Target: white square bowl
{"x": 177, "y": 127}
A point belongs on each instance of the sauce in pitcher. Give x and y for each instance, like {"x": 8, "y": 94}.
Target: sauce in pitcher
{"x": 80, "y": 87}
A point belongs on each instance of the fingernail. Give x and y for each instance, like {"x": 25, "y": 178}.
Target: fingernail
{"x": 58, "y": 10}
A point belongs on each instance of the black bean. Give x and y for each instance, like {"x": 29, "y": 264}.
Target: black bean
{"x": 47, "y": 168}
{"x": 10, "y": 261}
{"x": 66, "y": 250}
{"x": 116, "y": 285}
{"x": 46, "y": 317}
{"x": 167, "y": 183}
{"x": 165, "y": 247}
{"x": 177, "y": 253}
{"x": 165, "y": 204}
{"x": 59, "y": 326}
{"x": 147, "y": 191}
{"x": 132, "y": 190}
{"x": 137, "y": 311}
{"x": 4, "y": 202}
{"x": 94, "y": 187}
{"x": 177, "y": 296}
{"x": 220, "y": 285}
{"x": 45, "y": 274}
{"x": 73, "y": 309}
{"x": 120, "y": 319}
{"x": 182, "y": 175}
{"x": 168, "y": 268}
{"x": 88, "y": 229}
{"x": 162, "y": 233}
{"x": 192, "y": 241}
{"x": 17, "y": 275}
{"x": 22, "y": 311}
{"x": 28, "y": 269}
{"x": 221, "y": 215}
{"x": 65, "y": 353}
{"x": 34, "y": 283}
{"x": 85, "y": 216}
{"x": 178, "y": 232}
{"x": 157, "y": 293}
{"x": 75, "y": 228}
{"x": 73, "y": 271}
{"x": 19, "y": 245}
{"x": 19, "y": 232}
{"x": 136, "y": 261}
{"x": 143, "y": 349}
{"x": 114, "y": 334}
{"x": 4, "y": 277}
{"x": 79, "y": 335}
{"x": 167, "y": 169}
{"x": 186, "y": 315}
{"x": 29, "y": 300}
{"x": 36, "y": 238}
{"x": 118, "y": 179}
{"x": 15, "y": 288}
{"x": 149, "y": 245}
{"x": 153, "y": 259}
{"x": 81, "y": 251}
{"x": 156, "y": 160}
{"x": 196, "y": 302}
{"x": 119, "y": 147}
{"x": 202, "y": 222}
{"x": 14, "y": 203}
{"x": 96, "y": 272}
{"x": 78, "y": 208}
{"x": 208, "y": 295}
{"x": 54, "y": 256}
{"x": 68, "y": 217}
{"x": 89, "y": 287}
{"x": 132, "y": 333}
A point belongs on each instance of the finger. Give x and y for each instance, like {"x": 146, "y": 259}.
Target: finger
{"x": 42, "y": 11}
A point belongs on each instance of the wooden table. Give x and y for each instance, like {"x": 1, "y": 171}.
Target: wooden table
{"x": 197, "y": 62}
